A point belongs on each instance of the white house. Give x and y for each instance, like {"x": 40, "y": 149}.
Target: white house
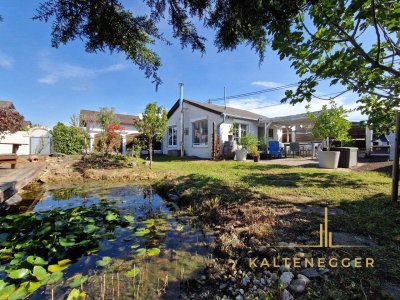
{"x": 89, "y": 120}
{"x": 200, "y": 118}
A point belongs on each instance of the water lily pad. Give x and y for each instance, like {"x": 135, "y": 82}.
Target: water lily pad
{"x": 140, "y": 251}
{"x": 67, "y": 242}
{"x": 104, "y": 261}
{"x": 6, "y": 291}
{"x": 129, "y": 219}
{"x": 64, "y": 262}
{"x": 142, "y": 232}
{"x": 19, "y": 274}
{"x": 78, "y": 280}
{"x": 134, "y": 246}
{"x": 55, "y": 277}
{"x": 74, "y": 294}
{"x": 40, "y": 273}
{"x": 33, "y": 286}
{"x": 153, "y": 251}
{"x": 36, "y": 260}
{"x": 90, "y": 228}
{"x": 56, "y": 268}
{"x": 132, "y": 273}
{"x": 111, "y": 216}
{"x": 149, "y": 223}
{"x": 19, "y": 293}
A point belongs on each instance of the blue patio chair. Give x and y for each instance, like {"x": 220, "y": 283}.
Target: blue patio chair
{"x": 274, "y": 150}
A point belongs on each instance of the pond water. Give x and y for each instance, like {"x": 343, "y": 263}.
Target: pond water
{"x": 118, "y": 242}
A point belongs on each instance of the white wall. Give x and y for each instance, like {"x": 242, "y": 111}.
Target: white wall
{"x": 19, "y": 137}
{"x": 192, "y": 114}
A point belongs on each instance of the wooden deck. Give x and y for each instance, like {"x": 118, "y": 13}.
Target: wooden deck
{"x": 12, "y": 180}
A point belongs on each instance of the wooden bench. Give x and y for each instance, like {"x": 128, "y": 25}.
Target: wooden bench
{"x": 9, "y": 159}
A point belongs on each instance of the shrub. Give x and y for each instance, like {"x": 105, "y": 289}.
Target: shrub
{"x": 69, "y": 139}
{"x": 249, "y": 141}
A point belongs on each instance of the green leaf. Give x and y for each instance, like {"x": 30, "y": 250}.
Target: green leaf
{"x": 140, "y": 251}
{"x": 132, "y": 273}
{"x": 111, "y": 216}
{"x": 67, "y": 242}
{"x": 40, "y": 273}
{"x": 33, "y": 286}
{"x": 6, "y": 291}
{"x": 129, "y": 219}
{"x": 57, "y": 268}
{"x": 55, "y": 277}
{"x": 78, "y": 280}
{"x": 64, "y": 262}
{"x": 153, "y": 251}
{"x": 36, "y": 260}
{"x": 142, "y": 232}
{"x": 90, "y": 228}
{"x": 20, "y": 293}
{"x": 134, "y": 246}
{"x": 74, "y": 294}
{"x": 19, "y": 274}
{"x": 104, "y": 261}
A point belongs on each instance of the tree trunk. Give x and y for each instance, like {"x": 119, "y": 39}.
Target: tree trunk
{"x": 151, "y": 152}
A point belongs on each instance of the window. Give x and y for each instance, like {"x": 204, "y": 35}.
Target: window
{"x": 172, "y": 136}
{"x": 200, "y": 133}
{"x": 239, "y": 130}
{"x": 271, "y": 133}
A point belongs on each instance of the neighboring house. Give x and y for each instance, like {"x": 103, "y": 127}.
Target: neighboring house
{"x": 36, "y": 140}
{"x": 89, "y": 120}
{"x": 200, "y": 118}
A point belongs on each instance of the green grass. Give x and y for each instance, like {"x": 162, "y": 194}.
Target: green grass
{"x": 288, "y": 184}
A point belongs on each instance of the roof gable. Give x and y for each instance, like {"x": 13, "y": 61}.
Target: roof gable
{"x": 91, "y": 115}
{"x": 218, "y": 109}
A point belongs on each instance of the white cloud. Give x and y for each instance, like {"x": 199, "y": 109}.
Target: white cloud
{"x": 263, "y": 106}
{"x": 267, "y": 84}
{"x": 6, "y": 62}
{"x": 59, "y": 71}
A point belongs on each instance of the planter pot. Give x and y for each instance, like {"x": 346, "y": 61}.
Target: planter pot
{"x": 241, "y": 155}
{"x": 328, "y": 159}
{"x": 256, "y": 158}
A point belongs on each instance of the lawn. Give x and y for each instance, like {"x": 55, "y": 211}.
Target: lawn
{"x": 284, "y": 183}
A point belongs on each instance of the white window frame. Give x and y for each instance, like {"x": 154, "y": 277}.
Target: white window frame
{"x": 239, "y": 130}
{"x": 201, "y": 144}
{"x": 174, "y": 134}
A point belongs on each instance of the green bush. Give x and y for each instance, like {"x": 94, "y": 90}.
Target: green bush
{"x": 249, "y": 141}
{"x": 69, "y": 139}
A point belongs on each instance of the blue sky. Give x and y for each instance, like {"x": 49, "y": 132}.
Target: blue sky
{"x": 48, "y": 85}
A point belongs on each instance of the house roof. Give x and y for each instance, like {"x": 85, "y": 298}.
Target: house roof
{"x": 91, "y": 115}
{"x": 291, "y": 120}
{"x": 6, "y": 104}
{"x": 219, "y": 109}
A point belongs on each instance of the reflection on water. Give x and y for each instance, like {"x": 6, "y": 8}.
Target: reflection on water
{"x": 148, "y": 256}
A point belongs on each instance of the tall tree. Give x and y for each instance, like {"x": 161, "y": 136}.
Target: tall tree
{"x": 152, "y": 125}
{"x": 351, "y": 42}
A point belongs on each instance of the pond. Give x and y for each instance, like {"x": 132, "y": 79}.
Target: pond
{"x": 113, "y": 242}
